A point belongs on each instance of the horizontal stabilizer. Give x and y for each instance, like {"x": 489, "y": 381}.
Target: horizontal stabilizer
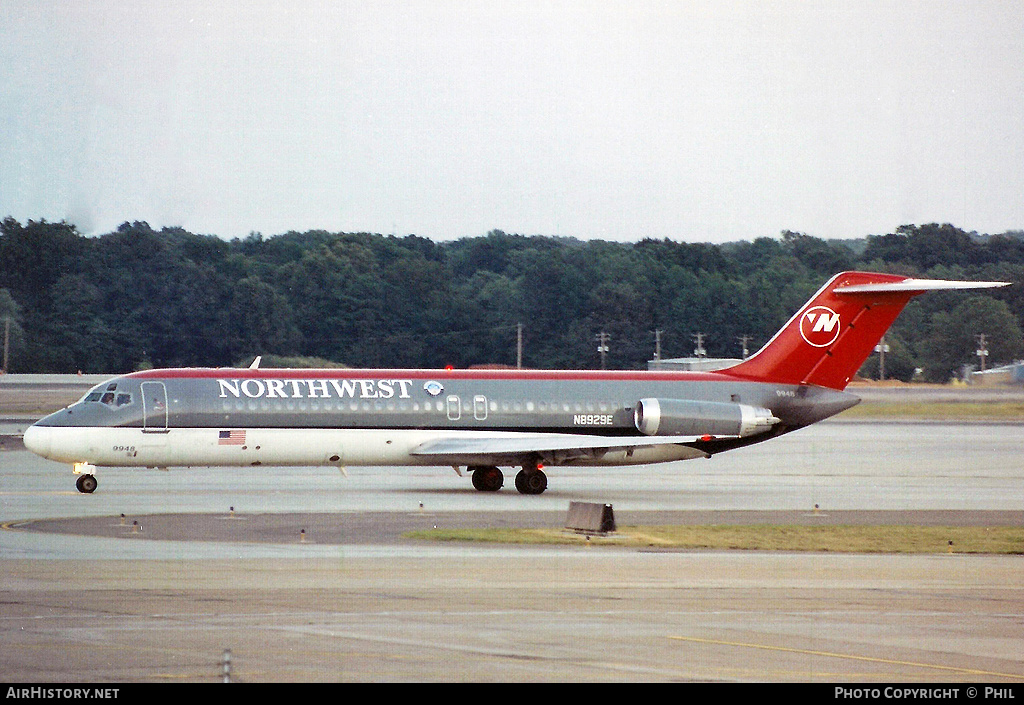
{"x": 910, "y": 285}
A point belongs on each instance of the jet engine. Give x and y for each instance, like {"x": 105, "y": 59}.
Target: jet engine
{"x": 686, "y": 417}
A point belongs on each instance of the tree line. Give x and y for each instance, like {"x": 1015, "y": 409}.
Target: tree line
{"x": 138, "y": 297}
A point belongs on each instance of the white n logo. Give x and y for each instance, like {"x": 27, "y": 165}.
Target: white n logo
{"x": 820, "y": 326}
{"x": 825, "y": 322}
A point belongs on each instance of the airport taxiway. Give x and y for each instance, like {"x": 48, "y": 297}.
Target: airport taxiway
{"x": 216, "y": 564}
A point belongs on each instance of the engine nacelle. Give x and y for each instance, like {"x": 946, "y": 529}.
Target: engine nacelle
{"x": 685, "y": 417}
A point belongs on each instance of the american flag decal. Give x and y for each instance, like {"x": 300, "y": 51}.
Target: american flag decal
{"x": 231, "y": 438}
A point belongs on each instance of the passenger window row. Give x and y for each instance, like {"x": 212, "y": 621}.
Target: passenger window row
{"x": 316, "y": 405}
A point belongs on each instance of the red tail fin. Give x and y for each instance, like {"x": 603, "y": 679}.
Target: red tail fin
{"x": 828, "y": 339}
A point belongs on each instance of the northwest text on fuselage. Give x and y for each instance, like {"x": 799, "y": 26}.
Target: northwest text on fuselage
{"x": 315, "y": 388}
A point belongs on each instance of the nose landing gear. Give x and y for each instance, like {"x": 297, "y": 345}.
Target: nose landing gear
{"x": 86, "y": 484}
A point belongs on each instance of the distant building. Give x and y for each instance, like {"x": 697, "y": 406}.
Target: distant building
{"x": 696, "y": 364}
{"x": 1007, "y": 374}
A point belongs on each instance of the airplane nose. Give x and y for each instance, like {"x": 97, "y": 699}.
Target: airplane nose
{"x": 38, "y": 439}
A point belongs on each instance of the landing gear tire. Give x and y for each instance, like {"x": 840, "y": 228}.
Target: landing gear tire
{"x": 487, "y": 479}
{"x": 86, "y": 484}
{"x": 531, "y": 481}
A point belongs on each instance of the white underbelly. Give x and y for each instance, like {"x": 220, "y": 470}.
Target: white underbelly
{"x": 205, "y": 447}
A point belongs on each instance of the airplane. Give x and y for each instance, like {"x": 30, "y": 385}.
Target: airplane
{"x": 484, "y": 420}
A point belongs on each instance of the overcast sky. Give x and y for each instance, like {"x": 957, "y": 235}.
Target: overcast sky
{"x": 697, "y": 121}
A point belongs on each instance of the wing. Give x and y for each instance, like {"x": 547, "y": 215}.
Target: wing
{"x": 513, "y": 448}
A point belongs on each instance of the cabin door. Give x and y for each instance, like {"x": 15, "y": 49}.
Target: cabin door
{"x": 154, "y": 407}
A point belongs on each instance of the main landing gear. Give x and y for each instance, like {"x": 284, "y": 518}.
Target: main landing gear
{"x": 530, "y": 480}
{"x": 487, "y": 479}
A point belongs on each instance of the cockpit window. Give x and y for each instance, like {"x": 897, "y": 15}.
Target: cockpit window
{"x": 111, "y": 397}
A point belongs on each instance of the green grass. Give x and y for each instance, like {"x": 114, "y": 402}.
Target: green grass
{"x": 832, "y": 539}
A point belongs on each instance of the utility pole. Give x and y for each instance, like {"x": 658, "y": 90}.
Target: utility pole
{"x": 982, "y": 349}
{"x": 657, "y": 345}
{"x": 699, "y": 351}
{"x": 7, "y": 341}
{"x": 519, "y": 346}
{"x": 744, "y": 339}
{"x": 882, "y": 348}
{"x": 602, "y": 346}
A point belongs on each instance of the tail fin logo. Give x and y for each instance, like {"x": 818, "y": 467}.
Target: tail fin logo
{"x": 819, "y": 326}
